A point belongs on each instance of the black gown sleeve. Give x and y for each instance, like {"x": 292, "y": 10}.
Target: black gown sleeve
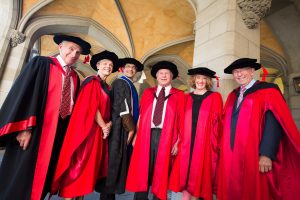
{"x": 271, "y": 137}
{"x": 121, "y": 94}
{"x": 27, "y": 95}
{"x": 26, "y": 99}
{"x": 117, "y": 142}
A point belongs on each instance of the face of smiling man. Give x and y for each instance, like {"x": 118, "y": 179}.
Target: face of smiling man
{"x": 69, "y": 52}
{"x": 129, "y": 70}
{"x": 243, "y": 76}
{"x": 105, "y": 68}
{"x": 164, "y": 77}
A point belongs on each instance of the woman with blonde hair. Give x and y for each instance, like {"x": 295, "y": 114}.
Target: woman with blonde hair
{"x": 197, "y": 159}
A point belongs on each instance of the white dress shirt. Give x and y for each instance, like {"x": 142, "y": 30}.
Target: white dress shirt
{"x": 249, "y": 85}
{"x": 167, "y": 92}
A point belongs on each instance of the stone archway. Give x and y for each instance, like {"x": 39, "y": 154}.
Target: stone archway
{"x": 51, "y": 25}
{"x": 67, "y": 24}
{"x": 180, "y": 63}
{"x": 271, "y": 59}
{"x": 10, "y": 11}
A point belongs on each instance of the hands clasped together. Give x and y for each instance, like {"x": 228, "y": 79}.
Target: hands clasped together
{"x": 106, "y": 129}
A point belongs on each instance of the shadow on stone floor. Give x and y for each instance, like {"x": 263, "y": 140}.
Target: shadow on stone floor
{"x": 95, "y": 195}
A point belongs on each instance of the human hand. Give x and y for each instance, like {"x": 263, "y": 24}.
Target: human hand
{"x": 109, "y": 124}
{"x": 130, "y": 135}
{"x": 24, "y": 138}
{"x": 106, "y": 129}
{"x": 174, "y": 150}
{"x": 105, "y": 132}
{"x": 265, "y": 164}
{"x": 133, "y": 140}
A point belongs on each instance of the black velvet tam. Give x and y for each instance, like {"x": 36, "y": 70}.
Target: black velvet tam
{"x": 85, "y": 46}
{"x": 202, "y": 71}
{"x": 242, "y": 63}
{"x": 164, "y": 65}
{"x": 139, "y": 66}
{"x": 105, "y": 55}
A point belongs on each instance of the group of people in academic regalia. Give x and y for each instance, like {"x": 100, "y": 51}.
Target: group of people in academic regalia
{"x": 66, "y": 138}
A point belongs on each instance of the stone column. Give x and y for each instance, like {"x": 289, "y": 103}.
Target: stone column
{"x": 221, "y": 36}
{"x": 294, "y": 102}
{"x": 5, "y": 16}
{"x": 13, "y": 66}
{"x": 7, "y": 20}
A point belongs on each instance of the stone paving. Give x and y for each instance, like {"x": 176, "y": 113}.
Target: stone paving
{"x": 95, "y": 195}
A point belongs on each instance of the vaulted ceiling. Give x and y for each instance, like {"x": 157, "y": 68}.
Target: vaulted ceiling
{"x": 148, "y": 30}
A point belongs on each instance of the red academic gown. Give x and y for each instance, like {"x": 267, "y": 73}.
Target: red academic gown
{"x": 83, "y": 158}
{"x": 199, "y": 179}
{"x": 137, "y": 179}
{"x": 33, "y": 101}
{"x": 238, "y": 175}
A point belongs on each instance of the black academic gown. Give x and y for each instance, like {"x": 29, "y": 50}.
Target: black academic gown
{"x": 24, "y": 108}
{"x": 118, "y": 157}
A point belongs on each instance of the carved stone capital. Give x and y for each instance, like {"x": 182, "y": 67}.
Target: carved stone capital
{"x": 16, "y": 38}
{"x": 253, "y": 11}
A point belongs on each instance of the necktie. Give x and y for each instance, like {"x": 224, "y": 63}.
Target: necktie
{"x": 66, "y": 95}
{"x": 241, "y": 96}
{"x": 157, "y": 115}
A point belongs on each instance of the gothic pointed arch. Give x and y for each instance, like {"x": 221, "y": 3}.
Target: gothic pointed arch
{"x": 273, "y": 60}
{"x": 48, "y": 25}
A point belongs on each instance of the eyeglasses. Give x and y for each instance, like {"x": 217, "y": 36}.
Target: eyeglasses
{"x": 130, "y": 67}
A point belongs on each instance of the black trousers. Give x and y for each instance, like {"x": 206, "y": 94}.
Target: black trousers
{"x": 154, "y": 142}
{"x": 104, "y": 196}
